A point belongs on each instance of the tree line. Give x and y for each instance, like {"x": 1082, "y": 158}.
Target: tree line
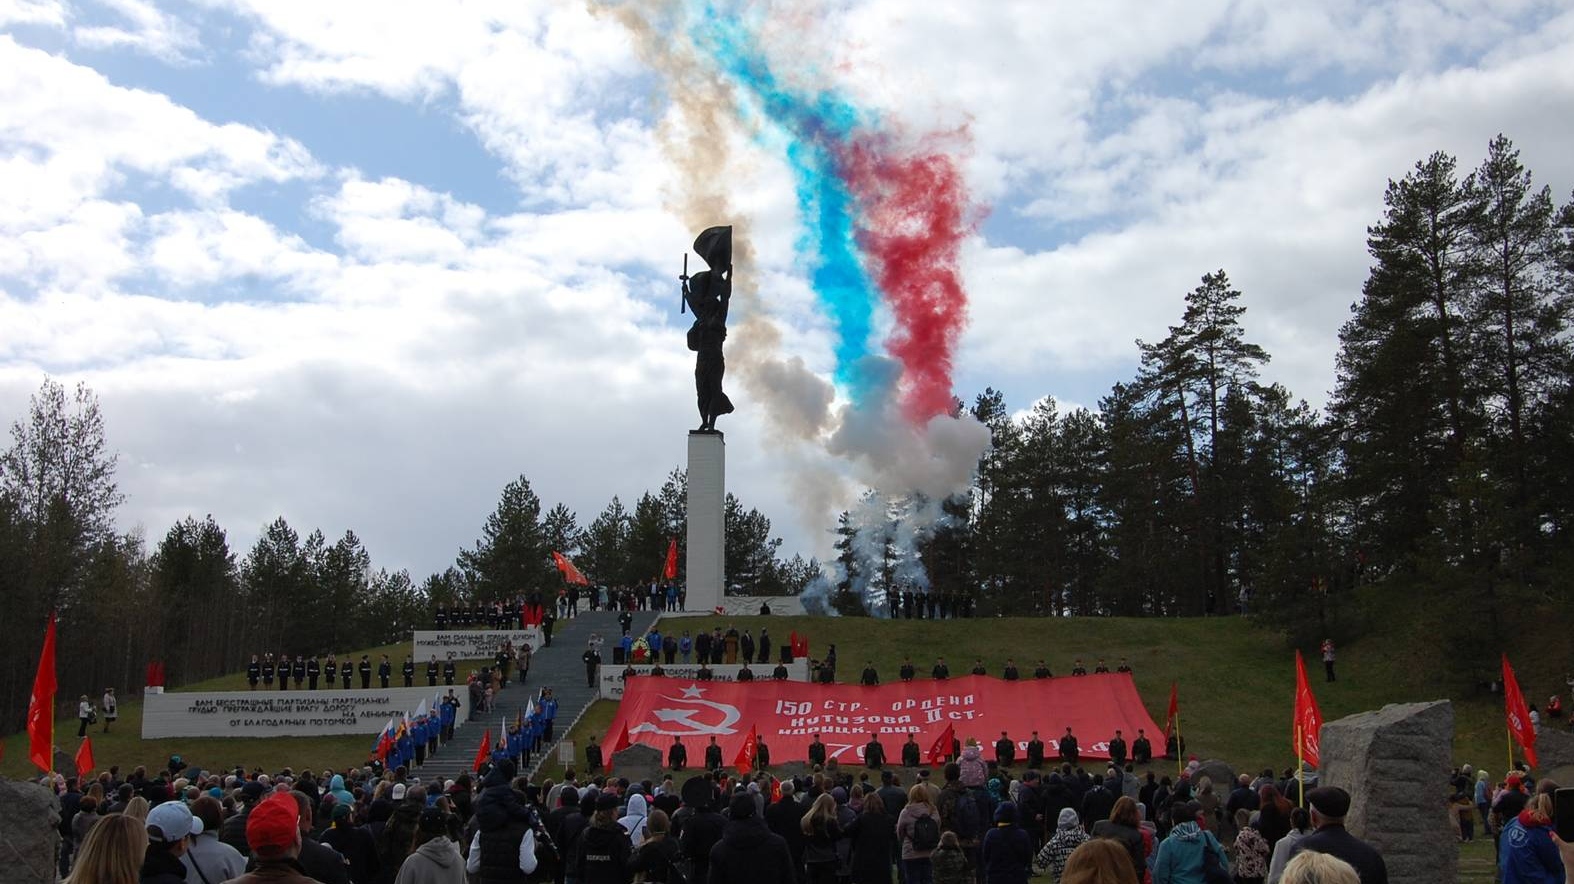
{"x": 1442, "y": 465}
{"x": 192, "y": 603}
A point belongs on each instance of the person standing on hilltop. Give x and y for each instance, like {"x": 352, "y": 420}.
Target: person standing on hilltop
{"x": 1328, "y": 658}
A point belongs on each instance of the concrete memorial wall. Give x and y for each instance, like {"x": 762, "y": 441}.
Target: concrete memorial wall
{"x": 283, "y": 713}
{"x": 611, "y": 676}
{"x": 468, "y": 644}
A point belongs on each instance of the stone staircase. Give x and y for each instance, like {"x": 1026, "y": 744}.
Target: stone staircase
{"x": 559, "y": 668}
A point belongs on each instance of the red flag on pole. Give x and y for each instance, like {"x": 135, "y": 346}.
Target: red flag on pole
{"x": 942, "y": 746}
{"x": 1174, "y": 711}
{"x": 745, "y": 760}
{"x": 1518, "y": 713}
{"x": 483, "y": 750}
{"x": 622, "y": 742}
{"x": 570, "y": 573}
{"x": 41, "y": 706}
{"x": 84, "y": 758}
{"x": 670, "y": 570}
{"x": 1308, "y": 723}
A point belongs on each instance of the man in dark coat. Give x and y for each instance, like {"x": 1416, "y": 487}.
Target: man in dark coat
{"x": 1005, "y": 750}
{"x": 713, "y": 755}
{"x": 874, "y": 753}
{"x": 1329, "y": 805}
{"x": 1035, "y": 753}
{"x": 912, "y": 753}
{"x": 677, "y": 755}
{"x": 816, "y": 751}
{"x": 748, "y": 852}
{"x": 785, "y": 818}
{"x": 703, "y": 830}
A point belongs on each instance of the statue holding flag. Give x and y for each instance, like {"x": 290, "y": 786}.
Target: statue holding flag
{"x": 709, "y": 293}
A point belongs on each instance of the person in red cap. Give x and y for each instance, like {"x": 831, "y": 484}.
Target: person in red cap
{"x": 273, "y": 832}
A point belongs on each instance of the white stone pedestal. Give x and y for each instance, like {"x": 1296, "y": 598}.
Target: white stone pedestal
{"x": 705, "y": 564}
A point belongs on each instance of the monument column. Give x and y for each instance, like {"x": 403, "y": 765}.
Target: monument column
{"x": 705, "y": 564}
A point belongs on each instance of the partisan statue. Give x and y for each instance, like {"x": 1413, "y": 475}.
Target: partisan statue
{"x": 708, "y": 294}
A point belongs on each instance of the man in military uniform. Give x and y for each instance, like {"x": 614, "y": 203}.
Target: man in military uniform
{"x": 704, "y": 673}
{"x": 384, "y": 671}
{"x": 1011, "y": 673}
{"x": 940, "y": 672}
{"x": 592, "y": 660}
{"x": 267, "y": 671}
{"x": 1141, "y": 749}
{"x": 677, "y": 755}
{"x": 1005, "y": 750}
{"x": 284, "y": 671}
{"x": 253, "y": 672}
{"x": 713, "y": 755}
{"x": 1100, "y": 668}
{"x": 1117, "y": 750}
{"x": 1078, "y": 669}
{"x": 780, "y": 672}
{"x": 907, "y": 672}
{"x": 345, "y": 672}
{"x": 431, "y": 672}
{"x": 408, "y": 671}
{"x": 870, "y": 678}
{"x": 1035, "y": 753}
{"x": 366, "y": 672}
{"x": 313, "y": 672}
{"x": 978, "y": 667}
{"x": 1124, "y": 666}
{"x": 1068, "y": 747}
{"x": 762, "y": 754}
{"x": 442, "y": 618}
{"x": 593, "y": 758}
{"x": 1042, "y": 670}
{"x": 449, "y": 671}
{"x": 874, "y": 752}
{"x": 912, "y": 755}
{"x": 330, "y": 671}
{"x": 745, "y": 674}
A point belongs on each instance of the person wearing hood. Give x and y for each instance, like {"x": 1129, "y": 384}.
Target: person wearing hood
{"x": 1528, "y": 855}
{"x": 1180, "y": 857}
{"x": 504, "y": 843}
{"x": 354, "y": 843}
{"x": 1068, "y": 836}
{"x": 748, "y": 852}
{"x": 435, "y": 859}
{"x": 604, "y": 850}
{"x": 1007, "y": 852}
{"x": 974, "y": 770}
{"x": 633, "y": 822}
{"x": 337, "y": 790}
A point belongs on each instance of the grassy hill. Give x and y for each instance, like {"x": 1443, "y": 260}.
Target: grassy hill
{"x": 1236, "y": 681}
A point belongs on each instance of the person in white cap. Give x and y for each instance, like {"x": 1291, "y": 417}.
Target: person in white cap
{"x": 169, "y": 825}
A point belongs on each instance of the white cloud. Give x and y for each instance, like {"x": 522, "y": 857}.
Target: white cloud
{"x": 144, "y": 28}
{"x": 50, "y": 13}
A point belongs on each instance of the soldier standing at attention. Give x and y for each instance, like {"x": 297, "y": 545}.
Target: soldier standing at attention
{"x": 431, "y": 672}
{"x": 384, "y": 671}
{"x": 253, "y": 672}
{"x": 345, "y": 671}
{"x": 330, "y": 671}
{"x": 267, "y": 671}
{"x": 299, "y": 670}
{"x": 448, "y": 671}
{"x": 677, "y": 755}
{"x": 713, "y": 755}
{"x": 408, "y": 671}
{"x": 313, "y": 672}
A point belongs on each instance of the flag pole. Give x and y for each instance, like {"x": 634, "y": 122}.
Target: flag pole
{"x": 1510, "y": 768}
{"x": 1180, "y": 763}
{"x": 1300, "y": 766}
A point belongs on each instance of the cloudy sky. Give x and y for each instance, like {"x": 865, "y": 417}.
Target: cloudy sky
{"x": 361, "y": 263}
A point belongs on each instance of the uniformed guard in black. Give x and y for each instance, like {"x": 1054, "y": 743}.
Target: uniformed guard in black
{"x": 592, "y": 660}
{"x": 745, "y": 674}
{"x": 816, "y": 751}
{"x": 299, "y": 671}
{"x": 1011, "y": 673}
{"x": 330, "y": 671}
{"x": 284, "y": 672}
{"x": 313, "y": 672}
{"x": 911, "y": 756}
{"x": 713, "y": 755}
{"x": 431, "y": 672}
{"x": 267, "y": 671}
{"x": 907, "y": 672}
{"x": 253, "y": 672}
{"x": 940, "y": 671}
{"x": 677, "y": 755}
{"x": 874, "y": 752}
{"x": 344, "y": 674}
{"x": 408, "y": 671}
{"x": 1005, "y": 750}
{"x": 1035, "y": 753}
{"x": 593, "y": 758}
{"x": 780, "y": 672}
{"x": 448, "y": 671}
{"x": 1042, "y": 670}
{"x": 384, "y": 671}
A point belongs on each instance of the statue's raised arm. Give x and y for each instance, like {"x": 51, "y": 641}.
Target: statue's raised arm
{"x": 709, "y": 294}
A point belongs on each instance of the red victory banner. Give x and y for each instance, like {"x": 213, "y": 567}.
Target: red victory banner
{"x": 482, "y": 751}
{"x": 1518, "y": 714}
{"x": 751, "y": 747}
{"x": 786, "y": 714}
{"x": 669, "y": 571}
{"x": 942, "y": 745}
{"x": 570, "y": 573}
{"x": 41, "y": 706}
{"x": 1308, "y": 721}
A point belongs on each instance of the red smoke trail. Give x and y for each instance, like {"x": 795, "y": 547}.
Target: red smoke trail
{"x": 915, "y": 216}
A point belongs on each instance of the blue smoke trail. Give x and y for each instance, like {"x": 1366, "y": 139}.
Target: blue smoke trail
{"x": 817, "y": 125}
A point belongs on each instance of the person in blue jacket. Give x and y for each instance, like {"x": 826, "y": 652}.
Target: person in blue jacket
{"x": 1527, "y": 854}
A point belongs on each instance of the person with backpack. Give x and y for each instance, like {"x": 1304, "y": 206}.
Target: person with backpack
{"x": 919, "y": 828}
{"x": 659, "y": 860}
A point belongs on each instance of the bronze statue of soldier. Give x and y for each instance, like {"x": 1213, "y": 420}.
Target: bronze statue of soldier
{"x": 709, "y": 293}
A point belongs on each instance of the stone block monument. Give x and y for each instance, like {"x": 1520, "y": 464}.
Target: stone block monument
{"x": 1393, "y": 763}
